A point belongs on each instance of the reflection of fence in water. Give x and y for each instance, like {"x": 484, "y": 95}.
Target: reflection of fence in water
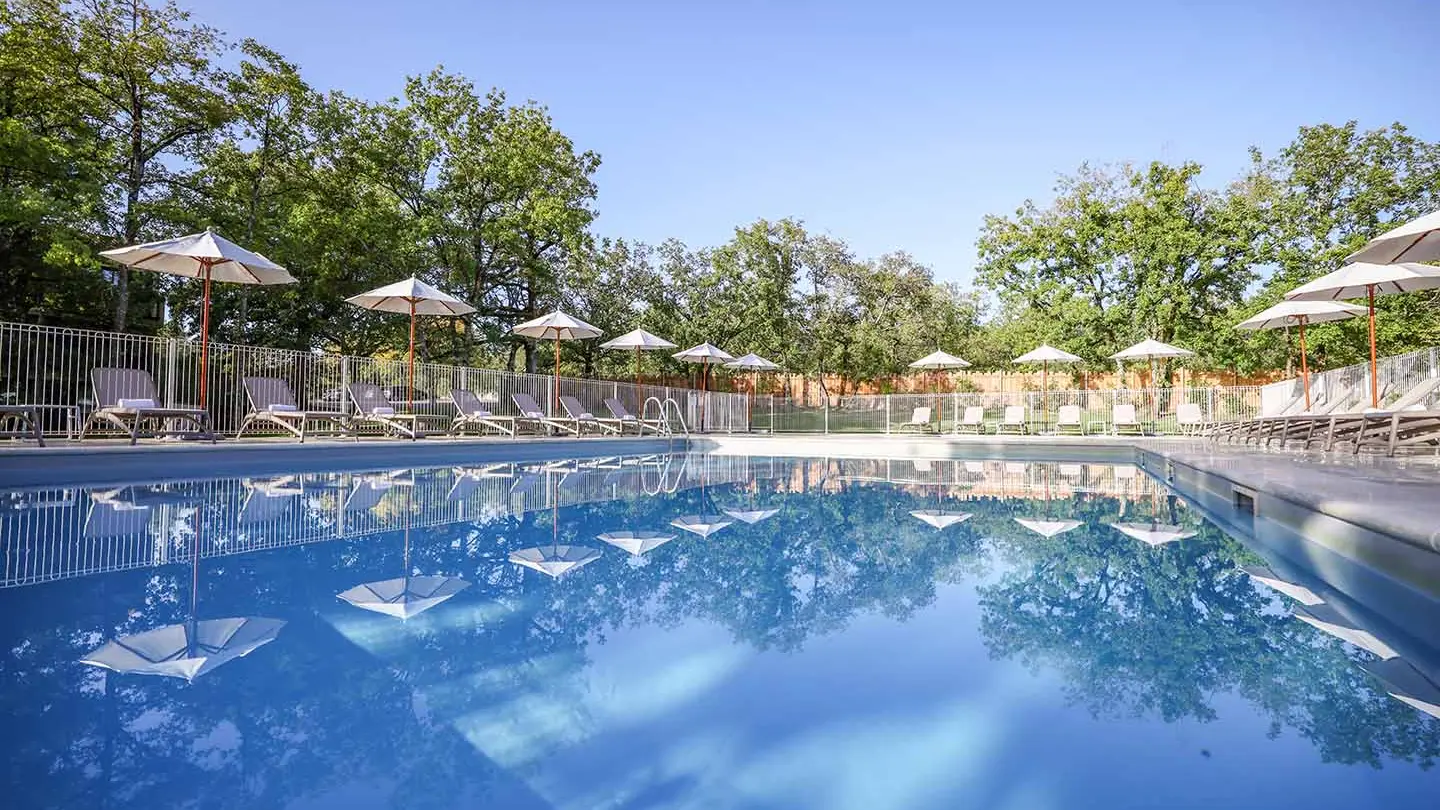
{"x": 1030, "y": 479}
{"x": 60, "y": 533}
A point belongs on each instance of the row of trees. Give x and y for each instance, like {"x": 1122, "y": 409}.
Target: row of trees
{"x": 126, "y": 120}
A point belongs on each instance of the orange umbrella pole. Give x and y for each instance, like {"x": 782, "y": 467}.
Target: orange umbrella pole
{"x": 640, "y": 389}
{"x": 411, "y": 373}
{"x": 205, "y": 333}
{"x": 1374, "y": 363}
{"x": 557, "y": 376}
{"x": 1304, "y": 367}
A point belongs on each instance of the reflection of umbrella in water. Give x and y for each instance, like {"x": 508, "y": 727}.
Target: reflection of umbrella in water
{"x": 1407, "y": 684}
{"x": 703, "y": 525}
{"x": 404, "y": 596}
{"x": 190, "y": 649}
{"x": 751, "y": 516}
{"x": 637, "y": 543}
{"x": 1153, "y": 534}
{"x": 1048, "y": 528}
{"x": 1299, "y": 593}
{"x": 1328, "y": 620}
{"x": 940, "y": 519}
{"x": 554, "y": 560}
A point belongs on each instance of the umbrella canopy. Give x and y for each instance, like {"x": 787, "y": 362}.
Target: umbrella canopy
{"x": 940, "y": 360}
{"x": 1363, "y": 280}
{"x": 1153, "y": 534}
{"x": 940, "y": 519}
{"x": 704, "y": 354}
{"x": 703, "y": 525}
{"x": 1328, "y": 620}
{"x": 1151, "y": 350}
{"x": 403, "y": 597}
{"x": 1407, "y": 684}
{"x": 1301, "y": 314}
{"x": 556, "y": 326}
{"x": 1299, "y": 593}
{"x": 638, "y": 339}
{"x": 1046, "y": 353}
{"x": 207, "y": 256}
{"x": 752, "y": 516}
{"x": 186, "y": 650}
{"x": 415, "y": 297}
{"x": 752, "y": 362}
{"x": 1416, "y": 241}
{"x": 637, "y": 543}
{"x": 1048, "y": 528}
{"x": 555, "y": 560}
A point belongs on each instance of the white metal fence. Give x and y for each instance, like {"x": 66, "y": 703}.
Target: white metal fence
{"x": 1397, "y": 374}
{"x": 882, "y": 413}
{"x": 50, "y": 367}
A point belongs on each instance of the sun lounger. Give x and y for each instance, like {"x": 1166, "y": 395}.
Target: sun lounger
{"x": 1013, "y": 421}
{"x": 471, "y": 414}
{"x": 272, "y": 402}
{"x": 532, "y": 414}
{"x": 1383, "y": 426}
{"x": 27, "y": 423}
{"x": 1068, "y": 422}
{"x": 919, "y": 421}
{"x": 583, "y": 418}
{"x": 126, "y": 399}
{"x": 623, "y": 417}
{"x": 372, "y": 407}
{"x": 973, "y": 420}
{"x": 1123, "y": 421}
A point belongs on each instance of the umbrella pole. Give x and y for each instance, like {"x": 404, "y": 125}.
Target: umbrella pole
{"x": 704, "y": 387}
{"x": 557, "y": 376}
{"x": 411, "y": 373}
{"x": 1304, "y": 367}
{"x": 640, "y": 389}
{"x": 205, "y": 331}
{"x": 1374, "y": 364}
{"x": 1045, "y": 391}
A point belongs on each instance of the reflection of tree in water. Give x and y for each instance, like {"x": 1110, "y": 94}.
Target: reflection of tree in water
{"x": 1141, "y": 630}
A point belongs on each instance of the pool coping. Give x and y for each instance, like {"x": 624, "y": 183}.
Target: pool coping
{"x": 98, "y": 464}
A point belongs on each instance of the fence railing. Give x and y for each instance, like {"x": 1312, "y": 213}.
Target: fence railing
{"x": 883, "y": 413}
{"x": 50, "y": 367}
{"x": 1397, "y": 374}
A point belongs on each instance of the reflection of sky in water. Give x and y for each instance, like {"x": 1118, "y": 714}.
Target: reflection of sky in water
{"x": 837, "y": 653}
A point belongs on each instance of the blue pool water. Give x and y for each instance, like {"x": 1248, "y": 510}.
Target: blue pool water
{"x": 817, "y": 634}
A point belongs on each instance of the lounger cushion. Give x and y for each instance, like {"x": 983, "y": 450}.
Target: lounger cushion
{"x": 480, "y": 414}
{"x": 278, "y": 408}
{"x": 383, "y": 410}
{"x": 135, "y": 404}
{"x": 535, "y": 414}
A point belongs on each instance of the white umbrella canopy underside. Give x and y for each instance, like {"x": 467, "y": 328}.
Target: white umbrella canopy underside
{"x": 1355, "y": 281}
{"x": 403, "y": 597}
{"x": 1292, "y": 313}
{"x": 940, "y": 519}
{"x": 1048, "y": 528}
{"x": 185, "y": 650}
{"x": 704, "y": 352}
{"x": 556, "y": 326}
{"x": 1416, "y": 241}
{"x": 638, "y": 339}
{"x": 751, "y": 516}
{"x": 637, "y": 543}
{"x": 1153, "y": 534}
{"x": 399, "y": 297}
{"x": 554, "y": 560}
{"x": 186, "y": 255}
{"x": 1299, "y": 593}
{"x": 752, "y": 362}
{"x": 1045, "y": 353}
{"x": 702, "y": 525}
{"x": 939, "y": 359}
{"x": 1329, "y": 621}
{"x": 1150, "y": 349}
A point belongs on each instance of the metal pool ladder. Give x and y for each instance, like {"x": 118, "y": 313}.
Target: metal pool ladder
{"x": 663, "y": 408}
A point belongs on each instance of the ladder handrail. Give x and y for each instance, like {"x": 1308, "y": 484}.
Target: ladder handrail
{"x": 679, "y": 414}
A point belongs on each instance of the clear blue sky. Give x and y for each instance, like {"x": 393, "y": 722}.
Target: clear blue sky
{"x": 892, "y": 125}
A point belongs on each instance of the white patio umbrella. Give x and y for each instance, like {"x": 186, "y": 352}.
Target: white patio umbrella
{"x": 637, "y": 543}
{"x": 1328, "y": 620}
{"x": 1416, "y": 241}
{"x": 554, "y": 561}
{"x": 1046, "y": 354}
{"x": 1151, "y": 350}
{"x": 1301, "y": 314}
{"x": 937, "y": 361}
{"x": 1362, "y": 280}
{"x": 556, "y": 326}
{"x": 208, "y": 256}
{"x": 1153, "y": 534}
{"x": 704, "y": 354}
{"x": 1265, "y": 576}
{"x": 414, "y": 297}
{"x": 640, "y": 341}
{"x": 1048, "y": 528}
{"x": 754, "y": 364}
{"x": 1406, "y": 684}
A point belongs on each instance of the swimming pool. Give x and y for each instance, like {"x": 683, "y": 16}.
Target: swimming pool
{"x": 697, "y": 631}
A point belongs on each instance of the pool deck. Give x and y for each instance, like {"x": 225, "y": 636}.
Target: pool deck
{"x": 101, "y": 462}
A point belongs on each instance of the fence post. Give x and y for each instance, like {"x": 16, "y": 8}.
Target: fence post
{"x": 827, "y": 414}
{"x": 1210, "y": 409}
{"x": 171, "y": 360}
{"x": 772, "y": 414}
{"x": 887, "y": 414}
{"x": 344, "y": 380}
